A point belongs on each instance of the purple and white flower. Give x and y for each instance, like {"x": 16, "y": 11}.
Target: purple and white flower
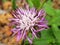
{"x": 25, "y": 20}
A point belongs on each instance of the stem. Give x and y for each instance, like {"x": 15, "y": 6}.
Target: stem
{"x": 41, "y": 5}
{"x": 13, "y": 4}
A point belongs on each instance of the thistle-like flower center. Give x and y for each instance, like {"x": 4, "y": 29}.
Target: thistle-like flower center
{"x": 27, "y": 21}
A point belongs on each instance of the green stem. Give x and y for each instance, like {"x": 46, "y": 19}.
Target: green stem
{"x": 41, "y": 5}
{"x": 13, "y": 4}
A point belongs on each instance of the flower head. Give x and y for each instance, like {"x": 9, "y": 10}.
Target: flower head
{"x": 25, "y": 20}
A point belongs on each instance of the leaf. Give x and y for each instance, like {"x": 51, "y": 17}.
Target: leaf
{"x": 45, "y": 39}
{"x": 53, "y": 15}
{"x": 49, "y": 10}
{"x": 30, "y": 3}
{"x": 56, "y": 32}
{"x": 36, "y": 3}
{"x": 40, "y": 42}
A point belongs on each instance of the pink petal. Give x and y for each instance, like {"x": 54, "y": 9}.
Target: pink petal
{"x": 40, "y": 30}
{"x": 30, "y": 41}
{"x": 33, "y": 32}
{"x": 18, "y": 36}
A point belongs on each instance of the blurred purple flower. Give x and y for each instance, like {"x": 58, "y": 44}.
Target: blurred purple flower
{"x": 25, "y": 20}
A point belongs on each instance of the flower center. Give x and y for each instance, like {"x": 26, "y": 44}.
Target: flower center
{"x": 27, "y": 21}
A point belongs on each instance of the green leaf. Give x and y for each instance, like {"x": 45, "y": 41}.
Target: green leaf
{"x": 53, "y": 15}
{"x": 40, "y": 42}
{"x": 47, "y": 35}
{"x": 46, "y": 38}
{"x": 49, "y": 10}
{"x": 36, "y": 3}
{"x": 41, "y": 5}
{"x": 56, "y": 32}
{"x": 30, "y": 3}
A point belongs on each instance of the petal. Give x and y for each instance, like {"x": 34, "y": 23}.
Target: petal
{"x": 14, "y": 30}
{"x": 33, "y": 31}
{"x": 14, "y": 15}
{"x": 33, "y": 11}
{"x": 39, "y": 30}
{"x": 18, "y": 36}
{"x": 13, "y": 19}
{"x": 45, "y": 26}
{"x": 26, "y": 6}
{"x": 21, "y": 11}
{"x": 41, "y": 12}
{"x": 24, "y": 35}
{"x": 30, "y": 41}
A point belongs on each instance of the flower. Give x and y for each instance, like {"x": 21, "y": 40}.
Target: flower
{"x": 25, "y": 20}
